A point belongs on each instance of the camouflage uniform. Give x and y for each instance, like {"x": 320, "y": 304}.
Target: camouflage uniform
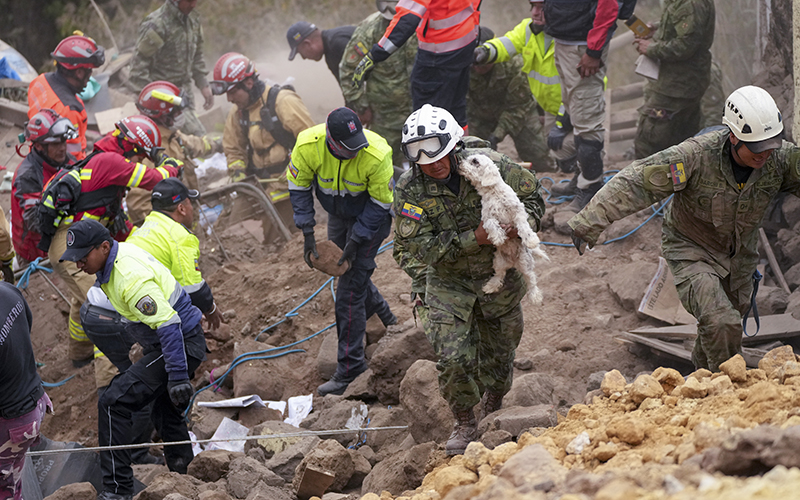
{"x": 713, "y": 99}
{"x": 671, "y": 111}
{"x": 710, "y": 230}
{"x": 170, "y": 47}
{"x": 474, "y": 334}
{"x": 387, "y": 93}
{"x": 500, "y": 103}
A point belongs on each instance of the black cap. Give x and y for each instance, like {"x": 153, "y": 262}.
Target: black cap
{"x": 296, "y": 34}
{"x": 82, "y": 237}
{"x": 345, "y": 128}
{"x": 170, "y": 192}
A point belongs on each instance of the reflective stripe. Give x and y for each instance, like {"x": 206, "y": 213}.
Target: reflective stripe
{"x": 385, "y": 206}
{"x": 413, "y": 6}
{"x": 76, "y": 331}
{"x": 454, "y": 20}
{"x": 30, "y": 201}
{"x": 176, "y": 294}
{"x": 450, "y": 46}
{"x": 387, "y": 45}
{"x": 547, "y": 80}
{"x": 86, "y": 175}
{"x": 193, "y": 288}
{"x": 528, "y": 33}
{"x": 163, "y": 171}
{"x": 237, "y": 165}
{"x": 173, "y": 320}
{"x": 279, "y": 195}
{"x": 136, "y": 176}
{"x": 509, "y": 45}
{"x": 295, "y": 187}
{"x": 336, "y": 192}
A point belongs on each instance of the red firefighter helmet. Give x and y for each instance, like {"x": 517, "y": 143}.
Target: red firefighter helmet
{"x": 77, "y": 51}
{"x": 142, "y": 133}
{"x": 159, "y": 100}
{"x": 230, "y": 69}
{"x": 47, "y": 126}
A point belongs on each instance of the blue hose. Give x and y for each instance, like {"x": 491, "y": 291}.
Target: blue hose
{"x": 26, "y": 274}
{"x": 58, "y": 384}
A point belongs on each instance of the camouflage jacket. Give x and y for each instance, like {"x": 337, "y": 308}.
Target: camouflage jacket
{"x": 710, "y": 219}
{"x": 388, "y": 90}
{"x": 501, "y": 99}
{"x": 169, "y": 47}
{"x": 682, "y": 42}
{"x": 436, "y": 227}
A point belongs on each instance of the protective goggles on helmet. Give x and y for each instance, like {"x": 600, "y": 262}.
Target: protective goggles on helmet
{"x": 97, "y": 59}
{"x": 386, "y": 7}
{"x": 219, "y": 87}
{"x": 431, "y": 145}
{"x": 62, "y": 130}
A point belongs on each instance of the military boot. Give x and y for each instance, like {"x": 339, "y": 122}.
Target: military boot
{"x": 465, "y": 431}
{"x": 585, "y": 195}
{"x": 491, "y": 402}
{"x": 565, "y": 188}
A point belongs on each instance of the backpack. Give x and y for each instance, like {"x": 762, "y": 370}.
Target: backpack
{"x": 270, "y": 121}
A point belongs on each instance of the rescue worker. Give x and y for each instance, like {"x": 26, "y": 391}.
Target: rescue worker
{"x": 167, "y": 326}
{"x": 671, "y": 112}
{"x": 75, "y": 58}
{"x": 447, "y": 31}
{"x": 166, "y": 236}
{"x": 500, "y": 103}
{"x": 382, "y": 103}
{"x": 170, "y": 48}
{"x": 263, "y": 125}
{"x": 48, "y": 134}
{"x": 312, "y": 43}
{"x": 350, "y": 170}
{"x": 164, "y": 103}
{"x": 474, "y": 334}
{"x": 538, "y": 55}
{"x": 95, "y": 191}
{"x": 581, "y": 30}
{"x": 6, "y": 250}
{"x": 23, "y": 401}
{"x": 723, "y": 182}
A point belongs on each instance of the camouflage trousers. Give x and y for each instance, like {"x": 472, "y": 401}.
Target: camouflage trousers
{"x": 718, "y": 310}
{"x": 16, "y": 436}
{"x": 475, "y": 356}
{"x": 665, "y": 121}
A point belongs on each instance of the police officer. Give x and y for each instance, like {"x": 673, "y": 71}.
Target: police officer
{"x": 439, "y": 224}
{"x": 723, "y": 183}
{"x": 350, "y": 170}
{"x": 312, "y": 43}
{"x": 170, "y": 47}
{"x": 384, "y": 101}
{"x": 165, "y": 235}
{"x": 681, "y": 44}
{"x": 166, "y": 324}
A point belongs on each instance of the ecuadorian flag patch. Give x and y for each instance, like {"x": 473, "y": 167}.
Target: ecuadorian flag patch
{"x": 678, "y": 174}
{"x": 412, "y": 211}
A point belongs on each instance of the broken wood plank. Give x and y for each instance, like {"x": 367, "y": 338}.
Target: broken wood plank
{"x": 773, "y": 327}
{"x": 751, "y": 356}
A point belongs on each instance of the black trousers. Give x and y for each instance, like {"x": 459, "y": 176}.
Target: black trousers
{"x": 442, "y": 80}
{"x": 144, "y": 382}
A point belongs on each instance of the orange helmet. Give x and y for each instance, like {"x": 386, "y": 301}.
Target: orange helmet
{"x": 77, "y": 51}
{"x": 230, "y": 69}
{"x": 47, "y": 126}
{"x": 142, "y": 133}
{"x": 160, "y": 101}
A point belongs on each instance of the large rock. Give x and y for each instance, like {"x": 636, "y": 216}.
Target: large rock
{"x": 170, "y": 482}
{"x": 771, "y": 300}
{"x": 392, "y": 358}
{"x": 265, "y": 377}
{"x": 361, "y": 469}
{"x": 793, "y": 306}
{"x": 533, "y": 466}
{"x": 245, "y": 473}
{"x": 206, "y": 420}
{"x": 400, "y": 472}
{"x": 628, "y": 283}
{"x": 419, "y": 394}
{"x": 613, "y": 381}
{"x": 253, "y": 415}
{"x": 329, "y": 456}
{"x": 669, "y": 378}
{"x": 360, "y": 388}
{"x": 211, "y": 465}
{"x": 645, "y": 386}
{"x": 263, "y": 491}
{"x": 386, "y": 417}
{"x": 327, "y": 355}
{"x": 735, "y": 368}
{"x": 793, "y": 276}
{"x": 285, "y": 463}
{"x": 375, "y": 330}
{"x": 628, "y": 429}
{"x": 271, "y": 446}
{"x": 791, "y": 210}
{"x": 531, "y": 389}
{"x": 789, "y": 245}
{"x": 336, "y": 417}
{"x": 775, "y": 358}
{"x": 517, "y": 419}
{"x": 74, "y": 491}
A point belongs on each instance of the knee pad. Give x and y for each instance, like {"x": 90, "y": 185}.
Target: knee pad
{"x": 590, "y": 158}
{"x": 568, "y": 165}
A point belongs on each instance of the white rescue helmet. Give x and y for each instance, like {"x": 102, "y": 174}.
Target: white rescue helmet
{"x": 753, "y": 117}
{"x": 429, "y": 134}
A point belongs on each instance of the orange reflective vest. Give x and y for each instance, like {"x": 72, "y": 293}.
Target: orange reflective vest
{"x": 50, "y": 91}
{"x": 441, "y": 25}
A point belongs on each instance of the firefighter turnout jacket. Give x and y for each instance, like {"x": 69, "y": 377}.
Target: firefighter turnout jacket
{"x": 51, "y": 90}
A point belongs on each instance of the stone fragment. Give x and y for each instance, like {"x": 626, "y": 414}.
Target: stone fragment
{"x": 445, "y": 479}
{"x": 271, "y": 446}
{"x": 493, "y": 439}
{"x": 74, "y": 491}
{"x": 330, "y": 456}
{"x": 361, "y": 469}
{"x": 518, "y": 419}
{"x": 627, "y": 429}
{"x": 170, "y": 482}
{"x": 327, "y": 355}
{"x": 245, "y": 473}
{"x": 399, "y": 472}
{"x": 720, "y": 385}
{"x": 360, "y": 388}
{"x": 531, "y": 389}
{"x": 285, "y": 462}
{"x": 771, "y": 300}
{"x": 613, "y": 381}
{"x": 594, "y": 381}
{"x": 263, "y": 491}
{"x": 531, "y": 466}
{"x": 645, "y": 386}
{"x": 210, "y": 465}
{"x": 775, "y": 358}
{"x": 266, "y": 378}
{"x": 628, "y": 282}
{"x": 523, "y": 364}
{"x": 789, "y": 370}
{"x": 392, "y": 358}
{"x": 762, "y": 392}
{"x": 476, "y": 455}
{"x": 735, "y": 368}
{"x": 419, "y": 395}
{"x": 213, "y": 495}
{"x": 694, "y": 389}
{"x": 700, "y": 374}
{"x": 606, "y": 452}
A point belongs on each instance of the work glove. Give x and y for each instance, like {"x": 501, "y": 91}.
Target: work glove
{"x": 580, "y": 243}
{"x": 309, "y": 247}
{"x": 168, "y": 161}
{"x": 493, "y": 141}
{"x": 481, "y": 55}
{"x": 237, "y": 175}
{"x": 349, "y": 253}
{"x": 562, "y": 128}
{"x": 362, "y": 71}
{"x": 8, "y": 271}
{"x": 180, "y": 392}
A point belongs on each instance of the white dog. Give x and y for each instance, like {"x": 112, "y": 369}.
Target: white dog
{"x": 501, "y": 205}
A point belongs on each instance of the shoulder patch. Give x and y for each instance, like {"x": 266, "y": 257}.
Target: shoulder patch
{"x": 361, "y": 49}
{"x": 412, "y": 211}
{"x": 147, "y": 306}
{"x": 678, "y": 174}
{"x": 406, "y": 227}
{"x": 526, "y": 185}
{"x": 292, "y": 169}
{"x": 429, "y": 203}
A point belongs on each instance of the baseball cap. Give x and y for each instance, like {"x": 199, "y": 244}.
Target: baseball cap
{"x": 296, "y": 34}
{"x": 345, "y": 127}
{"x": 82, "y": 237}
{"x": 170, "y": 192}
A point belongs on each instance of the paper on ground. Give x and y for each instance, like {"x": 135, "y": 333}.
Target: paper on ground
{"x": 245, "y": 401}
{"x": 299, "y": 408}
{"x": 229, "y": 429}
{"x": 661, "y": 298}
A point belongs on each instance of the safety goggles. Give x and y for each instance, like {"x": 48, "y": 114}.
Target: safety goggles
{"x": 431, "y": 145}
{"x": 387, "y": 7}
{"x": 97, "y": 59}
{"x": 219, "y": 87}
{"x": 62, "y": 130}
